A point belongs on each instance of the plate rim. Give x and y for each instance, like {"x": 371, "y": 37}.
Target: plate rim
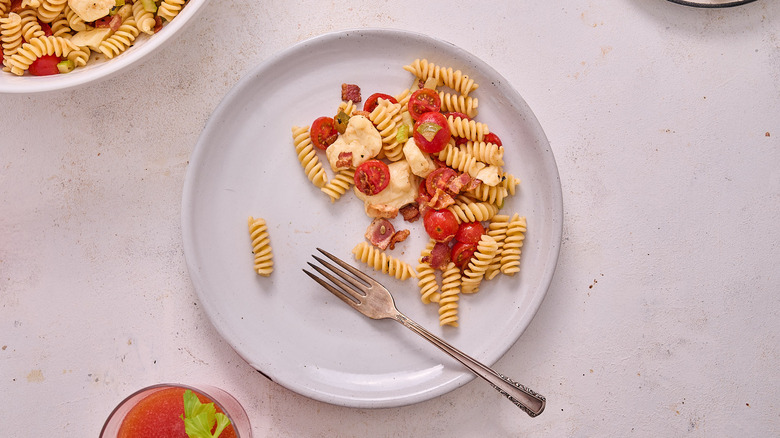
{"x": 556, "y": 215}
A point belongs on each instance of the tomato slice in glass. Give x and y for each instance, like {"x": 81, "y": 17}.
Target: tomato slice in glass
{"x": 373, "y": 99}
{"x": 462, "y": 253}
{"x": 441, "y": 225}
{"x": 492, "y": 138}
{"x": 432, "y": 132}
{"x": 422, "y": 101}
{"x": 372, "y": 176}
{"x": 323, "y": 132}
{"x": 45, "y": 65}
{"x": 470, "y": 232}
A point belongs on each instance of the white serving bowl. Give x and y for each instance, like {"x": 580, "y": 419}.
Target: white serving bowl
{"x": 100, "y": 68}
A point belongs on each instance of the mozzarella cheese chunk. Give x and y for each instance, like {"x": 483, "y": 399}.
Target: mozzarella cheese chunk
{"x": 91, "y": 10}
{"x": 401, "y": 190}
{"x": 359, "y": 138}
{"x": 489, "y": 175}
{"x": 420, "y": 162}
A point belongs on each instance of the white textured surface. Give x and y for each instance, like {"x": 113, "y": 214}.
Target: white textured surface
{"x": 663, "y": 318}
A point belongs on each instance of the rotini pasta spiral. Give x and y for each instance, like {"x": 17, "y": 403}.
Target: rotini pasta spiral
{"x": 450, "y": 295}
{"x": 466, "y": 210}
{"x": 143, "y": 18}
{"x": 480, "y": 261}
{"x": 75, "y": 21}
{"x": 168, "y": 9}
{"x": 494, "y": 195}
{"x": 11, "y": 34}
{"x": 37, "y": 47}
{"x": 489, "y": 153}
{"x": 458, "y": 103}
{"x": 120, "y": 40}
{"x": 426, "y": 277}
{"x": 336, "y": 187}
{"x": 510, "y": 253}
{"x": 348, "y": 107}
{"x": 460, "y": 160}
{"x": 31, "y": 28}
{"x": 308, "y": 157}
{"x": 497, "y": 230}
{"x": 468, "y": 129}
{"x": 49, "y": 10}
{"x": 60, "y": 26}
{"x": 261, "y": 246}
{"x": 380, "y": 261}
{"x": 510, "y": 182}
{"x": 454, "y": 79}
{"x": 386, "y": 117}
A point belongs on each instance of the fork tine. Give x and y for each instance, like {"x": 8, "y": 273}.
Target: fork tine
{"x": 355, "y": 271}
{"x": 361, "y": 287}
{"x": 356, "y": 294}
{"x": 338, "y": 293}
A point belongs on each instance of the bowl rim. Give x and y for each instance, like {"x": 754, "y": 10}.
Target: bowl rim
{"x": 12, "y": 84}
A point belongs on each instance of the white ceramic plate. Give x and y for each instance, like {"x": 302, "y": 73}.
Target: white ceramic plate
{"x": 287, "y": 326}
{"x": 712, "y": 3}
{"x": 99, "y": 67}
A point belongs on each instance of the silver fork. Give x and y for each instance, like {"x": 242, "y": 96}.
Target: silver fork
{"x": 372, "y": 299}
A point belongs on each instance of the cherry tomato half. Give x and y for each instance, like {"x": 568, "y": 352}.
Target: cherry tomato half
{"x": 470, "y": 232}
{"x": 323, "y": 132}
{"x": 45, "y": 65}
{"x": 372, "y": 176}
{"x": 431, "y": 132}
{"x": 462, "y": 253}
{"x": 439, "y": 179}
{"x": 45, "y": 28}
{"x": 441, "y": 225}
{"x": 371, "y": 102}
{"x": 492, "y": 138}
{"x": 422, "y": 101}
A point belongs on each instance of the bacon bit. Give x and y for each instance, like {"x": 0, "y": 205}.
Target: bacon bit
{"x": 410, "y": 212}
{"x": 361, "y": 113}
{"x": 382, "y": 210}
{"x": 380, "y": 233}
{"x": 457, "y": 184}
{"x": 440, "y": 256}
{"x": 158, "y": 24}
{"x": 473, "y": 184}
{"x": 350, "y": 92}
{"x": 344, "y": 159}
{"x": 441, "y": 200}
{"x": 16, "y": 6}
{"x": 399, "y": 237}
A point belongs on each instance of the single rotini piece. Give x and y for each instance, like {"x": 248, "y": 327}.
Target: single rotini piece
{"x": 11, "y": 34}
{"x": 497, "y": 230}
{"x": 454, "y": 79}
{"x": 80, "y": 56}
{"x": 75, "y": 21}
{"x": 31, "y": 28}
{"x": 480, "y": 261}
{"x": 348, "y": 107}
{"x": 144, "y": 19}
{"x": 458, "y": 103}
{"x": 510, "y": 182}
{"x": 169, "y": 9}
{"x": 308, "y": 157}
{"x": 489, "y": 153}
{"x": 467, "y": 210}
{"x": 492, "y": 194}
{"x": 510, "y": 253}
{"x": 37, "y": 47}
{"x": 49, "y": 10}
{"x": 60, "y": 26}
{"x": 460, "y": 160}
{"x": 450, "y": 295}
{"x": 120, "y": 40}
{"x": 386, "y": 117}
{"x": 336, "y": 187}
{"x": 261, "y": 246}
{"x": 426, "y": 276}
{"x": 380, "y": 261}
{"x": 468, "y": 129}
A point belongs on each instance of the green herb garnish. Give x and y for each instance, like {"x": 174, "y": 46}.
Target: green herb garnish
{"x": 200, "y": 418}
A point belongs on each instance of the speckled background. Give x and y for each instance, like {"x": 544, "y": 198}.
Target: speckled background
{"x": 663, "y": 317}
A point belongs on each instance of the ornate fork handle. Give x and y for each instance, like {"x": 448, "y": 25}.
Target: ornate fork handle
{"x": 523, "y": 397}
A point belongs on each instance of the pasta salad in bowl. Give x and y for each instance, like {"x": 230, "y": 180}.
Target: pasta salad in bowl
{"x": 48, "y": 45}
